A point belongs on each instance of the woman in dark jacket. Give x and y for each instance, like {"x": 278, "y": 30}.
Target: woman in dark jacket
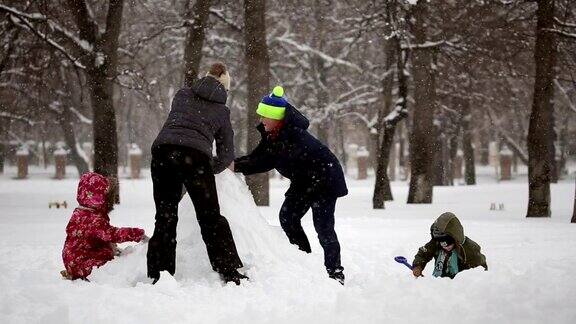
{"x": 316, "y": 177}
{"x": 182, "y": 156}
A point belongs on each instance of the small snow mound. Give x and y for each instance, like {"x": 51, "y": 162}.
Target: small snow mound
{"x": 167, "y": 282}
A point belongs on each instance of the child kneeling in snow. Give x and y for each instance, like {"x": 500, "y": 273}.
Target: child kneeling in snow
{"x": 90, "y": 239}
{"x": 453, "y": 252}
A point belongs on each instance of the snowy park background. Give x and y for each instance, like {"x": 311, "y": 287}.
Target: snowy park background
{"x": 448, "y": 103}
{"x": 530, "y": 277}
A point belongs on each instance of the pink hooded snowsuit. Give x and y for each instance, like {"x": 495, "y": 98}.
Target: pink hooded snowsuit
{"x": 89, "y": 235}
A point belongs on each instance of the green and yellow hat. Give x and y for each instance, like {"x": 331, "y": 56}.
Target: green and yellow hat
{"x": 274, "y": 105}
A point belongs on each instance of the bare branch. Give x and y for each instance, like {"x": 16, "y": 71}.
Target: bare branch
{"x": 218, "y": 14}
{"x": 563, "y": 23}
{"x": 10, "y": 116}
{"x": 79, "y": 44}
{"x": 88, "y": 27}
{"x": 571, "y": 105}
{"x": 561, "y": 33}
{"x": 510, "y": 142}
{"x": 324, "y": 56}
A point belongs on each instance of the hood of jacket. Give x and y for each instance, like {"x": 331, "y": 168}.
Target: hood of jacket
{"x": 92, "y": 191}
{"x": 449, "y": 224}
{"x": 294, "y": 118}
{"x": 209, "y": 88}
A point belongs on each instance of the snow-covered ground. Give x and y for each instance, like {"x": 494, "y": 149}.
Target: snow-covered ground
{"x": 530, "y": 278}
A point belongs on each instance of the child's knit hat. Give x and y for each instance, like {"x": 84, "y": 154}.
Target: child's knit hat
{"x": 274, "y": 105}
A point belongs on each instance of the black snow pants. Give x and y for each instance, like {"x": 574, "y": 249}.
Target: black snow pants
{"x": 291, "y": 213}
{"x": 172, "y": 167}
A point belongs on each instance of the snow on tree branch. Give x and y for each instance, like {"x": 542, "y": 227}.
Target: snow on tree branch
{"x": 28, "y": 18}
{"x": 25, "y": 24}
{"x": 324, "y": 56}
{"x": 430, "y": 44}
{"x": 8, "y": 115}
{"x": 510, "y": 142}
{"x": 396, "y": 115}
{"x": 571, "y": 105}
{"x": 563, "y": 23}
{"x": 561, "y": 33}
{"x": 81, "y": 117}
{"x": 370, "y": 123}
{"x": 218, "y": 14}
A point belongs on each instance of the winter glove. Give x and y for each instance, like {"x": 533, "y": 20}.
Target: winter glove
{"x": 417, "y": 272}
{"x": 115, "y": 248}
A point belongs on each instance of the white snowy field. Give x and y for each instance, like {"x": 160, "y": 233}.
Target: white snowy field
{"x": 529, "y": 280}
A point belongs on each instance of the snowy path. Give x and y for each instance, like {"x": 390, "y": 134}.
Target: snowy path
{"x": 529, "y": 281}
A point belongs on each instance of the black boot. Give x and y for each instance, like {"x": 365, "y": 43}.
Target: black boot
{"x": 232, "y": 276}
{"x": 337, "y": 275}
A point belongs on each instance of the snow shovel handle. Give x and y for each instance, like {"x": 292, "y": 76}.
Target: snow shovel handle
{"x": 401, "y": 259}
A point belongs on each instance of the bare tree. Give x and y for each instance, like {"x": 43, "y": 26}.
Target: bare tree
{"x": 421, "y": 154}
{"x": 382, "y": 191}
{"x": 94, "y": 51}
{"x": 257, "y": 63}
{"x": 196, "y": 22}
{"x": 541, "y": 127}
{"x": 468, "y": 150}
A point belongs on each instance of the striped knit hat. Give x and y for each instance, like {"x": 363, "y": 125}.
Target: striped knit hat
{"x": 274, "y": 105}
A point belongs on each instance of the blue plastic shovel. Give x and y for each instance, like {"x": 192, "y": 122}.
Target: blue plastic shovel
{"x": 401, "y": 259}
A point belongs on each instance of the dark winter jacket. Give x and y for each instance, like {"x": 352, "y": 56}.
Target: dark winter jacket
{"x": 312, "y": 169}
{"x": 198, "y": 117}
{"x": 469, "y": 255}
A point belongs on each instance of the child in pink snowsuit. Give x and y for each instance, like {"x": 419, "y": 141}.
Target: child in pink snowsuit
{"x": 90, "y": 239}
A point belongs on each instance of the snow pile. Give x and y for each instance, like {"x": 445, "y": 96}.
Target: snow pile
{"x": 263, "y": 249}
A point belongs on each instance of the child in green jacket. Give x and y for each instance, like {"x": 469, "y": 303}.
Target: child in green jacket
{"x": 452, "y": 251}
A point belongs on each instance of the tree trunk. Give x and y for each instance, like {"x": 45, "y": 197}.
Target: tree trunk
{"x": 382, "y": 190}
{"x": 402, "y": 159}
{"x": 320, "y": 75}
{"x": 484, "y": 147}
{"x": 374, "y": 139}
{"x": 196, "y": 21}
{"x": 257, "y": 63}
{"x": 104, "y": 125}
{"x": 3, "y": 150}
{"x": 421, "y": 155}
{"x": 392, "y": 161}
{"x": 65, "y": 122}
{"x": 441, "y": 162}
{"x": 468, "y": 149}
{"x": 574, "y": 212}
{"x": 554, "y": 175}
{"x": 452, "y": 153}
{"x": 342, "y": 144}
{"x": 540, "y": 130}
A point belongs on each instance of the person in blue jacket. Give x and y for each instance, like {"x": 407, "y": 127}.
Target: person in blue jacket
{"x": 316, "y": 177}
